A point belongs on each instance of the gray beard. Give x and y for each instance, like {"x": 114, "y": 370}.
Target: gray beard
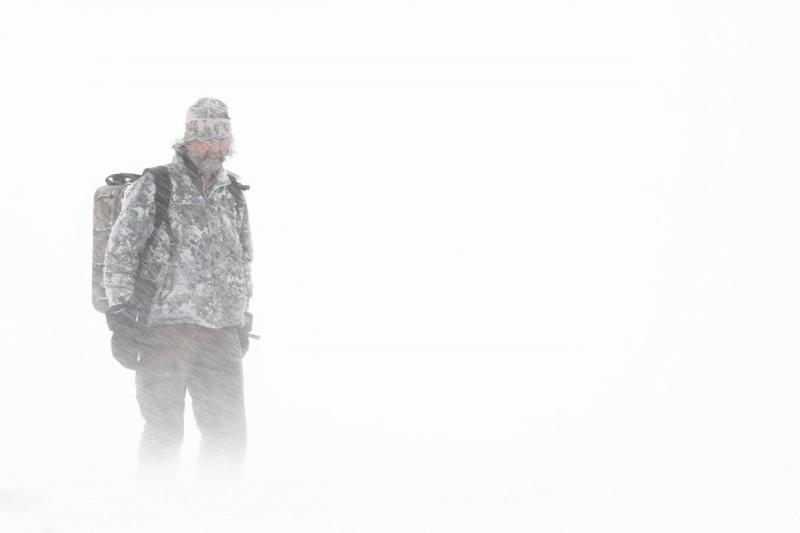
{"x": 208, "y": 167}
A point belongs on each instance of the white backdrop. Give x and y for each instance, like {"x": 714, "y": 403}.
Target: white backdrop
{"x": 517, "y": 266}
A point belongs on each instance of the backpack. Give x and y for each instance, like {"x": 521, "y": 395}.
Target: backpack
{"x": 107, "y": 206}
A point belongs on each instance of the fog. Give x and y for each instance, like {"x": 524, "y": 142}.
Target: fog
{"x": 518, "y": 266}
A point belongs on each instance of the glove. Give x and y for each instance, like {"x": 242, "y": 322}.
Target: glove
{"x": 244, "y": 332}
{"x": 121, "y": 320}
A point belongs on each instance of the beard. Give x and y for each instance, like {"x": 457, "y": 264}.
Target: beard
{"x": 208, "y": 166}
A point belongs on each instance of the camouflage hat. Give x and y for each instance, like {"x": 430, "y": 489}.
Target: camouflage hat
{"x": 207, "y": 120}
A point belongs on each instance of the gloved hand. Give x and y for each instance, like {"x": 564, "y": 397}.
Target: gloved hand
{"x": 121, "y": 320}
{"x": 244, "y": 332}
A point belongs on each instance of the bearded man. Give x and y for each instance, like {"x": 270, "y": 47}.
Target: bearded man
{"x": 191, "y": 332}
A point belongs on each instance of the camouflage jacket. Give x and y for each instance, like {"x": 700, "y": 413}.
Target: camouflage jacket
{"x": 201, "y": 272}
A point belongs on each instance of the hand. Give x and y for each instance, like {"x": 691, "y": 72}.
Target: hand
{"x": 125, "y": 350}
{"x": 121, "y": 320}
{"x": 244, "y": 332}
{"x": 121, "y": 317}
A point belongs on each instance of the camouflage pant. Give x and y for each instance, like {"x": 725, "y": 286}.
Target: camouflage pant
{"x": 206, "y": 362}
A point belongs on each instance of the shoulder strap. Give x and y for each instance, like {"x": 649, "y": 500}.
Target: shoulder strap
{"x": 162, "y": 198}
{"x": 236, "y": 183}
{"x": 237, "y": 187}
{"x": 144, "y": 290}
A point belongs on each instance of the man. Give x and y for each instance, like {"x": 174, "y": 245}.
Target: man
{"x": 191, "y": 330}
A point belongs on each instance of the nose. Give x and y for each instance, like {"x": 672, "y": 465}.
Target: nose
{"x": 219, "y": 146}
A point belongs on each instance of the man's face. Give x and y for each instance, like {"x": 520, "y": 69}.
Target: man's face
{"x": 208, "y": 155}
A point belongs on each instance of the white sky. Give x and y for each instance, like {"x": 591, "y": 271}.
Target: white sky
{"x": 517, "y": 266}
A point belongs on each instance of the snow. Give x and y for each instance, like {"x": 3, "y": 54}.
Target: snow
{"x": 518, "y": 267}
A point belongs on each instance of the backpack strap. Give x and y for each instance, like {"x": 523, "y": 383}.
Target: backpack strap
{"x": 144, "y": 290}
{"x": 237, "y": 188}
{"x": 236, "y": 183}
{"x": 162, "y": 198}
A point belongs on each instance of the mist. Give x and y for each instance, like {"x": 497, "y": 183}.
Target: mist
{"x": 517, "y": 266}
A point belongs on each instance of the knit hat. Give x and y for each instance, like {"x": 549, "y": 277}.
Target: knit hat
{"x": 207, "y": 120}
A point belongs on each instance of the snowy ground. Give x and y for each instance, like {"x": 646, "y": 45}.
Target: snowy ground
{"x": 583, "y": 491}
{"x": 519, "y": 266}
{"x": 483, "y": 455}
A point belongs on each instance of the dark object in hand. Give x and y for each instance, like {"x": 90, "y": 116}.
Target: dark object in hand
{"x": 122, "y": 321}
{"x": 244, "y": 332}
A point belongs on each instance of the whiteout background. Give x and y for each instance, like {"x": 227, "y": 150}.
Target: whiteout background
{"x": 518, "y": 266}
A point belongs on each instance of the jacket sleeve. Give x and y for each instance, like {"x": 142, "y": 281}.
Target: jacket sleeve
{"x": 246, "y": 241}
{"x": 131, "y": 230}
